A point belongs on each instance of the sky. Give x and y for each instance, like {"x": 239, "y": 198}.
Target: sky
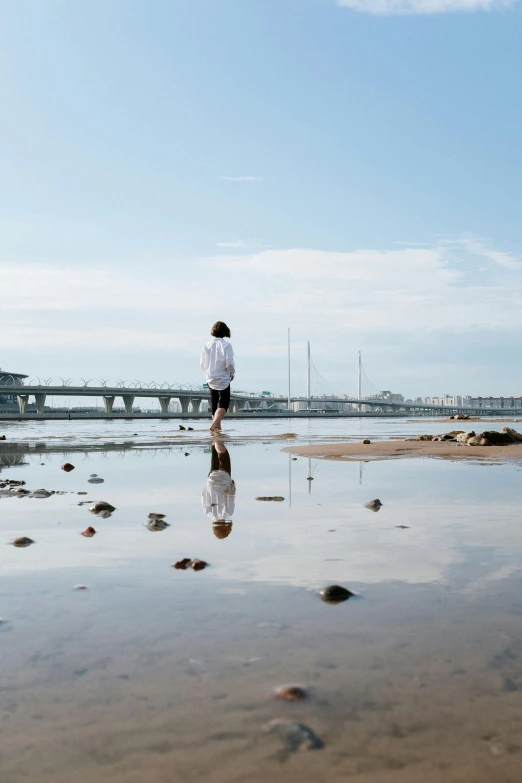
{"x": 350, "y": 170}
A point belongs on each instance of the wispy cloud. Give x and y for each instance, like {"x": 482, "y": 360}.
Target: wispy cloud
{"x": 242, "y": 179}
{"x": 404, "y": 7}
{"x": 236, "y": 243}
{"x": 483, "y": 249}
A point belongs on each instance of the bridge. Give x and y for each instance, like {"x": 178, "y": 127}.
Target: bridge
{"x": 190, "y": 398}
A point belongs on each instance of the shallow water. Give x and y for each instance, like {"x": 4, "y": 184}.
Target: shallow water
{"x": 155, "y": 674}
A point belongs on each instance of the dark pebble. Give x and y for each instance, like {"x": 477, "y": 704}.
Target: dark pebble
{"x": 182, "y": 564}
{"x": 156, "y": 525}
{"x": 23, "y": 541}
{"x": 335, "y": 594}
{"x": 277, "y": 498}
{"x": 291, "y": 692}
{"x": 67, "y": 467}
{"x": 89, "y": 532}
{"x": 198, "y": 565}
{"x": 101, "y": 506}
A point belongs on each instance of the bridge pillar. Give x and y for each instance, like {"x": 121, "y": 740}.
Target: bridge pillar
{"x": 128, "y": 401}
{"x": 40, "y": 402}
{"x": 184, "y": 402}
{"x": 238, "y": 405}
{"x": 196, "y": 404}
{"x": 164, "y": 404}
{"x": 22, "y": 402}
{"x": 108, "y": 403}
{"x": 254, "y": 404}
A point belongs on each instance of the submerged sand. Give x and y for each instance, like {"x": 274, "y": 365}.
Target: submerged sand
{"x": 390, "y": 449}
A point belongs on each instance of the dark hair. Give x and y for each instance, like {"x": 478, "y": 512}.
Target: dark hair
{"x": 220, "y": 329}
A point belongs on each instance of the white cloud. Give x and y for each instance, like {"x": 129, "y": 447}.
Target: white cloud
{"x": 396, "y": 291}
{"x": 461, "y": 292}
{"x": 242, "y": 179}
{"x": 47, "y": 288}
{"x": 404, "y": 7}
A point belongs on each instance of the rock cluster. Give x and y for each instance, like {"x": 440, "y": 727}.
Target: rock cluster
{"x": 196, "y": 564}
{"x": 487, "y": 438}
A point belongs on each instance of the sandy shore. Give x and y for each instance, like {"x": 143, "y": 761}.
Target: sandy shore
{"x": 393, "y": 449}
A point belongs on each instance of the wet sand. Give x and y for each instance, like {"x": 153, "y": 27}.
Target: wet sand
{"x": 155, "y": 675}
{"x": 403, "y": 448}
{"x": 102, "y": 694}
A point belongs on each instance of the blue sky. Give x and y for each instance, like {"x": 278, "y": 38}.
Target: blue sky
{"x": 351, "y": 170}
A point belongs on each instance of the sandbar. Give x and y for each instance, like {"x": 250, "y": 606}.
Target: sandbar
{"x": 400, "y": 449}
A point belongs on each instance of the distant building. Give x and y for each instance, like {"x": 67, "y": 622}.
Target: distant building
{"x": 8, "y": 402}
{"x": 386, "y": 396}
{"x": 448, "y": 400}
{"x": 495, "y": 402}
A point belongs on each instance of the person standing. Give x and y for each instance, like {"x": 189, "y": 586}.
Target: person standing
{"x": 217, "y": 362}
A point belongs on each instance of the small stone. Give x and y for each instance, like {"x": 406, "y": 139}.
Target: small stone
{"x": 309, "y": 478}
{"x": 296, "y": 736}
{"x": 156, "y": 525}
{"x": 291, "y": 692}
{"x": 294, "y": 459}
{"x": 153, "y": 515}
{"x": 41, "y": 493}
{"x": 187, "y": 454}
{"x": 81, "y": 493}
{"x": 96, "y": 480}
{"x": 198, "y": 565}
{"x": 276, "y": 498}
{"x": 23, "y": 541}
{"x": 478, "y": 440}
{"x": 366, "y": 442}
{"x": 2, "y": 437}
{"x": 374, "y": 505}
{"x": 190, "y": 429}
{"x": 94, "y": 475}
{"x": 182, "y": 427}
{"x": 89, "y": 532}
{"x": 402, "y": 527}
{"x": 67, "y": 467}
{"x": 335, "y": 594}
{"x": 80, "y": 587}
{"x": 101, "y": 506}
{"x": 182, "y": 564}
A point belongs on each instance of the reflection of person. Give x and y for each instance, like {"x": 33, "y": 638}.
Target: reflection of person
{"x": 218, "y": 496}
{"x": 217, "y": 362}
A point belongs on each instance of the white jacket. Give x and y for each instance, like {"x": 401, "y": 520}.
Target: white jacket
{"x": 217, "y": 362}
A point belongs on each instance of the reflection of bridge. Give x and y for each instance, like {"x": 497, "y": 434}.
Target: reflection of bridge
{"x": 191, "y": 397}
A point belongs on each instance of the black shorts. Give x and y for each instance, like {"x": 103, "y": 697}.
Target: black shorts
{"x": 220, "y": 399}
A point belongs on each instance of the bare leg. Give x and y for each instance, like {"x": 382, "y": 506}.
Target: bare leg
{"x": 219, "y": 415}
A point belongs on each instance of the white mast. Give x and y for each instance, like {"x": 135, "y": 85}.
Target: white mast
{"x": 289, "y": 376}
{"x": 359, "y": 379}
{"x": 308, "y": 385}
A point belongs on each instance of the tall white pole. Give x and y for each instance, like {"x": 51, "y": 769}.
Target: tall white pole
{"x": 289, "y": 375}
{"x": 308, "y": 384}
{"x": 359, "y": 378}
